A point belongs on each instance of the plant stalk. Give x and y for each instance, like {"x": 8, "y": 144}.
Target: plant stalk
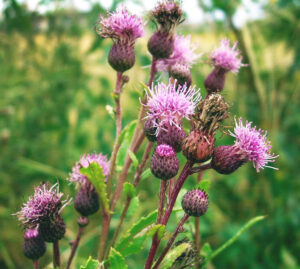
{"x": 74, "y": 247}
{"x": 56, "y": 254}
{"x": 36, "y": 264}
{"x": 162, "y": 197}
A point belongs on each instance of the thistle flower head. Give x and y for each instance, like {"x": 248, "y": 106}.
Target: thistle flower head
{"x": 120, "y": 26}
{"x": 226, "y": 57}
{"x": 84, "y": 161}
{"x": 253, "y": 142}
{"x": 31, "y": 233}
{"x": 183, "y": 53}
{"x": 165, "y": 150}
{"x": 170, "y": 103}
{"x": 167, "y": 14}
{"x": 44, "y": 206}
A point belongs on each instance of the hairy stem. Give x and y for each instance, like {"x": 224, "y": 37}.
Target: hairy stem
{"x": 171, "y": 241}
{"x": 104, "y": 234}
{"x": 162, "y": 197}
{"x": 171, "y": 186}
{"x": 36, "y": 264}
{"x": 56, "y": 255}
{"x": 74, "y": 247}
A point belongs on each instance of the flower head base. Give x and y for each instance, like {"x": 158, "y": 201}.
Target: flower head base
{"x": 183, "y": 54}
{"x": 167, "y": 14}
{"x": 170, "y": 103}
{"x": 44, "y": 206}
{"x": 227, "y": 58}
{"x": 254, "y": 144}
{"x": 85, "y": 161}
{"x": 121, "y": 26}
{"x": 165, "y": 150}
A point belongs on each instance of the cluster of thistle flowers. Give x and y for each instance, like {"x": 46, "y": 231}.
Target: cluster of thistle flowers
{"x": 41, "y": 214}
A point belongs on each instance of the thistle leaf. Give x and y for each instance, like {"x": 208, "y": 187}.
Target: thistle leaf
{"x": 116, "y": 260}
{"x": 91, "y": 264}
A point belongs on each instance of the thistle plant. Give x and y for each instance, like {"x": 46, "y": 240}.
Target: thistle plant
{"x": 175, "y": 119}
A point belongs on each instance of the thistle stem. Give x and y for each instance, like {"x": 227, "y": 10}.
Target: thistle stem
{"x": 56, "y": 254}
{"x": 171, "y": 241}
{"x": 197, "y": 224}
{"x": 74, "y": 247}
{"x": 104, "y": 234}
{"x": 162, "y": 196}
{"x": 200, "y": 168}
{"x": 152, "y": 72}
{"x": 36, "y": 264}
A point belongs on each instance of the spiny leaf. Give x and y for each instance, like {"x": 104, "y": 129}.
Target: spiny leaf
{"x": 116, "y": 260}
{"x": 91, "y": 264}
{"x": 230, "y": 241}
{"x": 94, "y": 173}
{"x": 203, "y": 185}
{"x": 133, "y": 158}
{"x": 135, "y": 229}
{"x": 135, "y": 246}
{"x": 173, "y": 254}
{"x": 129, "y": 190}
{"x": 158, "y": 229}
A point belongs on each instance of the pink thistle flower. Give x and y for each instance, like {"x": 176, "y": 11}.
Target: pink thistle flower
{"x": 120, "y": 26}
{"x": 170, "y": 103}
{"x": 227, "y": 58}
{"x": 254, "y": 144}
{"x": 165, "y": 150}
{"x": 84, "y": 161}
{"x": 183, "y": 53}
{"x": 44, "y": 206}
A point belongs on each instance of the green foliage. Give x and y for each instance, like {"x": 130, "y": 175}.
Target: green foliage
{"x": 129, "y": 190}
{"x": 116, "y": 260}
{"x": 94, "y": 173}
{"x": 91, "y": 264}
{"x": 158, "y": 230}
{"x": 203, "y": 185}
{"x": 133, "y": 158}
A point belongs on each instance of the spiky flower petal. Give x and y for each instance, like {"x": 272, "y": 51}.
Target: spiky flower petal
{"x": 253, "y": 142}
{"x": 183, "y": 53}
{"x": 226, "y": 57}
{"x": 120, "y": 26}
{"x": 44, "y": 206}
{"x": 170, "y": 103}
{"x": 85, "y": 161}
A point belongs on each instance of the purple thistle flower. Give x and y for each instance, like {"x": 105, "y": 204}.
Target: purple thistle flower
{"x": 84, "y": 161}
{"x": 170, "y": 103}
{"x": 44, "y": 206}
{"x": 183, "y": 53}
{"x": 120, "y": 26}
{"x": 165, "y": 150}
{"x": 253, "y": 143}
{"x": 227, "y": 58}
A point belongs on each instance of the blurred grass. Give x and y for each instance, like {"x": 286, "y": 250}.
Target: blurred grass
{"x": 55, "y": 84}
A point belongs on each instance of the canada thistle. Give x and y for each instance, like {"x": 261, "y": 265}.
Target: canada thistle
{"x": 224, "y": 59}
{"x": 164, "y": 163}
{"x": 199, "y": 145}
{"x": 43, "y": 212}
{"x": 167, "y": 15}
{"x": 195, "y": 203}
{"x": 251, "y": 144}
{"x": 124, "y": 29}
{"x": 87, "y": 200}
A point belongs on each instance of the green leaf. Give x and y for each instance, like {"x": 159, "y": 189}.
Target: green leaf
{"x": 230, "y": 241}
{"x": 135, "y": 202}
{"x": 124, "y": 142}
{"x": 135, "y": 229}
{"x": 136, "y": 245}
{"x": 173, "y": 254}
{"x": 91, "y": 264}
{"x": 94, "y": 173}
{"x": 206, "y": 250}
{"x": 146, "y": 173}
{"x": 133, "y": 158}
{"x": 159, "y": 229}
{"x": 116, "y": 260}
{"x": 129, "y": 190}
{"x": 203, "y": 185}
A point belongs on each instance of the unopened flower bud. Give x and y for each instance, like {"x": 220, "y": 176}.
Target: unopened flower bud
{"x": 195, "y": 203}
{"x": 181, "y": 73}
{"x": 87, "y": 200}
{"x": 215, "y": 81}
{"x": 150, "y": 130}
{"x": 171, "y": 135}
{"x": 83, "y": 221}
{"x": 52, "y": 231}
{"x": 198, "y": 146}
{"x": 121, "y": 57}
{"x": 33, "y": 247}
{"x": 164, "y": 163}
{"x": 161, "y": 45}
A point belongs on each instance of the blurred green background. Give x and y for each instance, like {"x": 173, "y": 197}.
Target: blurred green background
{"x": 56, "y": 85}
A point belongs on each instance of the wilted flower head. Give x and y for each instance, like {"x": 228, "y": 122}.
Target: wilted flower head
{"x": 120, "y": 26}
{"x": 226, "y": 57}
{"x": 44, "y": 206}
{"x": 167, "y": 14}
{"x": 84, "y": 161}
{"x": 254, "y": 144}
{"x": 183, "y": 53}
{"x": 170, "y": 103}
